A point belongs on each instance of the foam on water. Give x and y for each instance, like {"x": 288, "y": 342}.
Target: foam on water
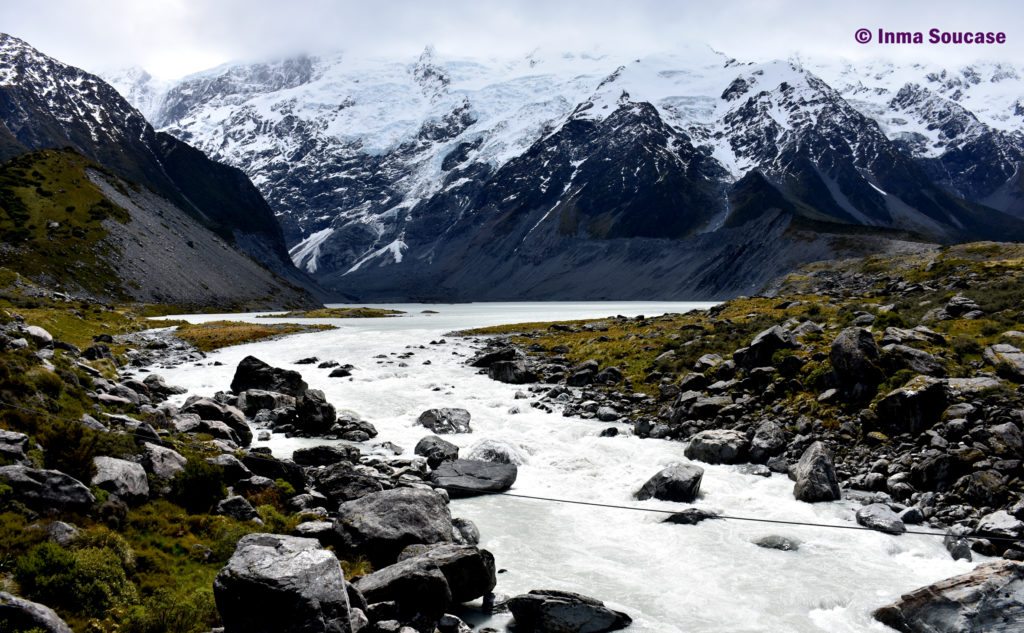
{"x": 669, "y": 578}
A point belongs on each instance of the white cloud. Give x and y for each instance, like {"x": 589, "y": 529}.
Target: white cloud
{"x": 174, "y": 37}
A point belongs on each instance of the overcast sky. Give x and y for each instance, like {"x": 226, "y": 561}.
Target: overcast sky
{"x": 171, "y": 38}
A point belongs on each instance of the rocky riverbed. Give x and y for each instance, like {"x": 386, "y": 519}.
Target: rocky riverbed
{"x": 396, "y": 468}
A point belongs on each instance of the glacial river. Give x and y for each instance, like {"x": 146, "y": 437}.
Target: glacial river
{"x": 668, "y": 578}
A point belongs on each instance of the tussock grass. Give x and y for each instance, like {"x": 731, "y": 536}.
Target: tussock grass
{"x": 217, "y": 334}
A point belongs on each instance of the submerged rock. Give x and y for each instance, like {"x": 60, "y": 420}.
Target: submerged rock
{"x": 781, "y": 543}
{"x": 281, "y": 584}
{"x": 446, "y": 421}
{"x": 988, "y": 599}
{"x": 690, "y": 516}
{"x": 547, "y": 611}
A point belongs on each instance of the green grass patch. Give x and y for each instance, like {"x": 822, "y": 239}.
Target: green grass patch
{"x": 214, "y": 335}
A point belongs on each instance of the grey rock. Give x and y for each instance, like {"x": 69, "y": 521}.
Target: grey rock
{"x": 881, "y": 518}
{"x": 470, "y": 477}
{"x": 1008, "y": 361}
{"x": 815, "y": 475}
{"x": 19, "y": 614}
{"x": 13, "y": 445}
{"x": 690, "y": 516}
{"x": 855, "y": 356}
{"x": 326, "y": 455}
{"x": 436, "y": 450}
{"x": 163, "y": 462}
{"x": 252, "y": 373}
{"x": 282, "y": 584}
{"x": 466, "y": 532}
{"x": 989, "y": 599}
{"x": 47, "y": 490}
{"x": 61, "y": 533}
{"x": 445, "y": 421}
{"x": 121, "y": 477}
{"x": 237, "y": 507}
{"x": 514, "y": 372}
{"x": 39, "y": 336}
{"x": 380, "y": 525}
{"x": 914, "y": 407}
{"x": 469, "y": 570}
{"x": 343, "y": 482}
{"x": 769, "y": 440}
{"x": 718, "y": 446}
{"x": 679, "y": 482}
{"x": 548, "y": 611}
{"x": 761, "y": 349}
{"x": 1001, "y": 524}
{"x": 417, "y": 586}
{"x": 920, "y": 362}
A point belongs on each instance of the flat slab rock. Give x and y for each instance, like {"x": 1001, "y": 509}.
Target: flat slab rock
{"x": 470, "y": 477}
{"x": 547, "y": 611}
{"x": 988, "y": 599}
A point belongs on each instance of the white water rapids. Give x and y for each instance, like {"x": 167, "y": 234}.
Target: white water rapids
{"x": 668, "y": 578}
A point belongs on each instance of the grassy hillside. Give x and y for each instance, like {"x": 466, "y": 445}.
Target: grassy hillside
{"x": 51, "y": 222}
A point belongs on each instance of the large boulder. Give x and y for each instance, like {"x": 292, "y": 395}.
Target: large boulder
{"x": 547, "y": 611}
{"x": 718, "y": 446}
{"x": 760, "y": 351}
{"x": 469, "y": 570}
{"x": 380, "y": 525}
{"x": 470, "y": 477}
{"x": 855, "y": 358}
{"x": 679, "y": 482}
{"x": 880, "y": 517}
{"x": 436, "y": 450}
{"x": 417, "y": 586}
{"x": 46, "y": 490}
{"x": 446, "y": 421}
{"x": 914, "y": 407}
{"x": 1008, "y": 361}
{"x": 815, "y": 475}
{"x": 313, "y": 415}
{"x": 18, "y": 614}
{"x": 513, "y": 372}
{"x": 252, "y": 373}
{"x": 121, "y": 477}
{"x": 342, "y": 482}
{"x": 987, "y": 599}
{"x": 282, "y": 584}
{"x": 489, "y": 357}
{"x": 920, "y": 362}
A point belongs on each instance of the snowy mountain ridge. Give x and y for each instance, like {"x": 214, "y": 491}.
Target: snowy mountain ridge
{"x": 353, "y": 153}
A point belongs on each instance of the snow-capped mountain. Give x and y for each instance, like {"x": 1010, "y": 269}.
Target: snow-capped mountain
{"x": 404, "y": 173}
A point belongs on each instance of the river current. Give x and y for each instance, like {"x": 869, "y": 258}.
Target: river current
{"x": 669, "y": 578}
